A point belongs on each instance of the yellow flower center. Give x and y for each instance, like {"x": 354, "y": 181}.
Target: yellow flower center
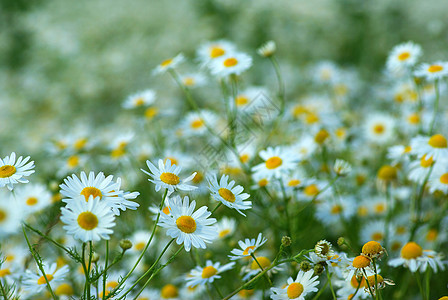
{"x": 64, "y": 289}
{"x": 435, "y": 68}
{"x": 208, "y": 272}
{"x": 87, "y": 220}
{"x": 377, "y": 236}
{"x": 407, "y": 149}
{"x": 7, "y": 171}
{"x": 189, "y": 81}
{"x": 31, "y": 201}
{"x": 438, "y": 141}
{"x": 361, "y": 262}
{"x": 166, "y": 62}
{"x": 321, "y": 136}
{"x": 371, "y": 248}
{"x": 217, "y": 52}
{"x": 151, "y": 112}
{"x": 244, "y": 158}
{"x": 336, "y": 209}
{"x": 263, "y": 261}
{"x": 273, "y": 162}
{"x": 224, "y": 233}
{"x": 169, "y": 291}
{"x": 196, "y": 124}
{"x": 3, "y": 215}
{"x": 246, "y": 251}
{"x": 311, "y": 190}
{"x": 230, "y": 62}
{"x": 41, "y": 280}
{"x": 172, "y": 159}
{"x": 140, "y": 246}
{"x": 186, "y": 224}
{"x": 111, "y": 284}
{"x": 294, "y": 182}
{"x": 294, "y": 290}
{"x": 263, "y": 182}
{"x": 80, "y": 143}
{"x": 444, "y": 178}
{"x": 387, "y": 173}
{"x": 5, "y": 272}
{"x": 169, "y": 178}
{"x": 414, "y": 119}
{"x": 380, "y": 208}
{"x": 362, "y": 211}
{"x": 73, "y": 161}
{"x": 403, "y": 56}
{"x": 241, "y": 100}
{"x": 311, "y": 118}
{"x": 91, "y": 191}
{"x": 226, "y": 194}
{"x": 354, "y": 282}
{"x": 432, "y": 235}
{"x": 371, "y": 279}
{"x": 426, "y": 163}
{"x": 118, "y": 152}
{"x": 246, "y": 293}
{"x": 378, "y": 128}
{"x": 411, "y": 250}
{"x": 198, "y": 177}
{"x": 139, "y": 101}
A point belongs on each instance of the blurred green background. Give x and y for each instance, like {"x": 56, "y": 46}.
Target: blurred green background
{"x": 85, "y": 56}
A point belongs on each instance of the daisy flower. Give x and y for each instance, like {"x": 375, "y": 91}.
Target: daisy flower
{"x": 193, "y": 80}
{"x": 34, "y": 197}
{"x": 207, "y": 274}
{"x": 379, "y": 128}
{"x": 267, "y": 49}
{"x": 232, "y": 64}
{"x": 254, "y": 268}
{"x": 195, "y": 123}
{"x": 341, "y": 167}
{"x": 277, "y": 161}
{"x": 325, "y": 72}
{"x": 13, "y": 172}
{"x": 438, "y": 180}
{"x": 432, "y": 71}
{"x": 212, "y": 50}
{"x": 167, "y": 176}
{"x": 89, "y": 220}
{"x": 143, "y": 98}
{"x": 323, "y": 249}
{"x": 10, "y": 216}
{"x": 229, "y": 194}
{"x": 188, "y": 227}
{"x": 435, "y": 146}
{"x": 248, "y": 247}
{"x": 250, "y": 99}
{"x": 434, "y": 260}
{"x": 410, "y": 256}
{"x": 36, "y": 283}
{"x": 304, "y": 284}
{"x": 225, "y": 227}
{"x": 168, "y": 64}
{"x": 403, "y": 56}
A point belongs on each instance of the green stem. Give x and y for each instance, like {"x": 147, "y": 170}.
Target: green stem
{"x": 436, "y": 106}
{"x": 321, "y": 290}
{"x": 105, "y": 269}
{"x": 216, "y": 207}
{"x": 420, "y": 287}
{"x": 329, "y": 282}
{"x": 39, "y": 263}
{"x": 259, "y": 265}
{"x": 368, "y": 284}
{"x": 419, "y": 205}
{"x": 281, "y": 85}
{"x": 4, "y": 293}
{"x": 377, "y": 292}
{"x": 427, "y": 277}
{"x": 217, "y": 290}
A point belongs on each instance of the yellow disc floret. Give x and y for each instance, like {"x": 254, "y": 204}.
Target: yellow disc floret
{"x": 186, "y": 224}
{"x": 226, "y": 195}
{"x": 230, "y": 62}
{"x": 91, "y": 191}
{"x": 169, "y": 178}
{"x": 209, "y": 271}
{"x": 371, "y": 248}
{"x": 7, "y": 171}
{"x": 294, "y": 290}
{"x": 169, "y": 291}
{"x": 411, "y": 250}
{"x": 87, "y": 220}
{"x": 41, "y": 279}
{"x": 361, "y": 262}
{"x": 273, "y": 162}
{"x": 387, "y": 173}
{"x": 438, "y": 141}
{"x": 263, "y": 261}
{"x": 435, "y": 68}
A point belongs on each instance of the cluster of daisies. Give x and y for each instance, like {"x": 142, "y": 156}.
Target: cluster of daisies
{"x": 268, "y": 173}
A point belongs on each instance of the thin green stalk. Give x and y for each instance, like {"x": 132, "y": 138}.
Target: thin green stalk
{"x": 158, "y": 270}
{"x": 420, "y": 287}
{"x": 105, "y": 269}
{"x": 39, "y": 263}
{"x": 147, "y": 244}
{"x": 285, "y": 203}
{"x": 150, "y": 269}
{"x": 368, "y": 284}
{"x": 281, "y": 85}
{"x": 217, "y": 290}
{"x": 329, "y": 282}
{"x": 5, "y": 295}
{"x": 259, "y": 265}
{"x": 388, "y": 215}
{"x": 436, "y": 106}
{"x": 427, "y": 277}
{"x": 419, "y": 205}
{"x": 216, "y": 207}
{"x": 377, "y": 292}
{"x": 86, "y": 272}
{"x": 321, "y": 290}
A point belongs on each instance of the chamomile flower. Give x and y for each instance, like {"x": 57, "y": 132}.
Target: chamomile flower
{"x": 189, "y": 227}
{"x": 403, "y": 56}
{"x": 267, "y": 49}
{"x": 304, "y": 284}
{"x": 398, "y": 153}
{"x": 201, "y": 276}
{"x": 211, "y": 51}
{"x": 193, "y": 80}
{"x": 277, "y": 161}
{"x": 167, "y": 176}
{"x": 143, "y": 98}
{"x": 379, "y": 128}
{"x": 432, "y": 71}
{"x": 234, "y": 63}
{"x": 225, "y": 227}
{"x": 33, "y": 197}
{"x": 434, "y": 260}
{"x": 342, "y": 167}
{"x": 13, "y": 172}
{"x": 139, "y": 240}
{"x": 247, "y": 247}
{"x": 435, "y": 146}
{"x": 411, "y": 256}
{"x": 229, "y": 194}
{"x": 331, "y": 212}
{"x": 323, "y": 249}
{"x": 438, "y": 180}
{"x": 10, "y": 216}
{"x": 36, "y": 282}
{"x": 195, "y": 123}
{"x": 89, "y": 220}
{"x": 251, "y": 99}
{"x": 169, "y": 64}
{"x": 254, "y": 267}
{"x": 325, "y": 72}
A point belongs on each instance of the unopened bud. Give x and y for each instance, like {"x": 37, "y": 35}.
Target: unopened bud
{"x": 305, "y": 266}
{"x": 95, "y": 257}
{"x": 286, "y": 241}
{"x": 125, "y": 244}
{"x": 341, "y": 241}
{"x": 318, "y": 269}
